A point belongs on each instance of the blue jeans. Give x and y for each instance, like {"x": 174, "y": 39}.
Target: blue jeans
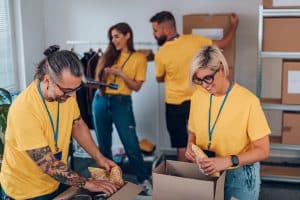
{"x": 243, "y": 182}
{"x": 117, "y": 109}
{"x": 60, "y": 189}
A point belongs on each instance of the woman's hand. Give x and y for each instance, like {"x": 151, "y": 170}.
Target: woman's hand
{"x": 114, "y": 70}
{"x": 210, "y": 166}
{"x": 101, "y": 186}
{"x": 189, "y": 154}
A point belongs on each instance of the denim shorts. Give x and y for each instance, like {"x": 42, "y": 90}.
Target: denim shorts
{"x": 243, "y": 182}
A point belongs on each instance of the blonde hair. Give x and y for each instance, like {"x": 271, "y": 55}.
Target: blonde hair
{"x": 209, "y": 57}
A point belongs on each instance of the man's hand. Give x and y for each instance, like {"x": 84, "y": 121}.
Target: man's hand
{"x": 101, "y": 186}
{"x": 234, "y": 20}
{"x": 105, "y": 163}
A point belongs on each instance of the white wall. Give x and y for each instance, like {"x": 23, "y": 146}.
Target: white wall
{"x": 90, "y": 19}
{"x": 30, "y": 37}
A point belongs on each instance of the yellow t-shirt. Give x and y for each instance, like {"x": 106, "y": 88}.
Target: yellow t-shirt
{"x": 29, "y": 128}
{"x": 135, "y": 69}
{"x": 174, "y": 60}
{"x": 241, "y": 121}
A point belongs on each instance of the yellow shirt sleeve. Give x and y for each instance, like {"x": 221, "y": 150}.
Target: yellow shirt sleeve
{"x": 141, "y": 69}
{"x": 28, "y": 125}
{"x": 160, "y": 69}
{"x": 257, "y": 124}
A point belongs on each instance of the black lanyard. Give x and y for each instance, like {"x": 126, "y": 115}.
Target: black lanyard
{"x": 122, "y": 66}
{"x": 55, "y": 132}
{"x": 211, "y": 130}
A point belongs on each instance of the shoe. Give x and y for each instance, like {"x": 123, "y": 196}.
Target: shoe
{"x": 147, "y": 187}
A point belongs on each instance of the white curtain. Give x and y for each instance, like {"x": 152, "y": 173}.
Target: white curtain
{"x": 7, "y": 77}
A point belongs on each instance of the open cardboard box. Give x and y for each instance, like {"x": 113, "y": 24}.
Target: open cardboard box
{"x": 128, "y": 192}
{"x": 182, "y": 180}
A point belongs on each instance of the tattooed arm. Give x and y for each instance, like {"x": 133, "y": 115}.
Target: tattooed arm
{"x": 81, "y": 133}
{"x": 58, "y": 170}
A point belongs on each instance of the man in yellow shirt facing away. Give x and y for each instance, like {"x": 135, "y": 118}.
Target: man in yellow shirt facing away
{"x": 40, "y": 123}
{"x": 173, "y": 62}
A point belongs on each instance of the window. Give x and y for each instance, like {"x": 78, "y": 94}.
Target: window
{"x": 7, "y": 69}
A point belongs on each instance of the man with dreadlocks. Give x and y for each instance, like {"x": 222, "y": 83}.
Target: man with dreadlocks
{"x": 173, "y": 62}
{"x": 226, "y": 120}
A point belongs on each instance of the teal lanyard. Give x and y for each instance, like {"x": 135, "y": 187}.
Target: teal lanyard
{"x": 55, "y": 132}
{"x": 211, "y": 130}
{"x": 123, "y": 65}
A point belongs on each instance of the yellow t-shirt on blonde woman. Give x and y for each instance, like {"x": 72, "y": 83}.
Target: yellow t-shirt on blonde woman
{"x": 241, "y": 121}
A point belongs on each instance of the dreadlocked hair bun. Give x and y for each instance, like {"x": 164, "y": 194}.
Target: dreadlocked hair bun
{"x": 51, "y": 49}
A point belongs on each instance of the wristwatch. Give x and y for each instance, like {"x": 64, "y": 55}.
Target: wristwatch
{"x": 235, "y": 160}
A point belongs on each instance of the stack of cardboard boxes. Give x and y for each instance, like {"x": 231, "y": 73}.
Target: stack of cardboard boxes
{"x": 281, "y": 34}
{"x": 212, "y": 26}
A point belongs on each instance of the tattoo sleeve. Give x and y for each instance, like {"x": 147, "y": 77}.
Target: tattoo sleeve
{"x": 58, "y": 170}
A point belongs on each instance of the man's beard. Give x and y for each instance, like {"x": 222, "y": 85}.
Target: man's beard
{"x": 161, "y": 40}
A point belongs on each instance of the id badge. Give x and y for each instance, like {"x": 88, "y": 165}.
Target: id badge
{"x": 58, "y": 155}
{"x": 210, "y": 154}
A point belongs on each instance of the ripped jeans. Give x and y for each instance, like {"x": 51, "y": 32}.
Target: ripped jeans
{"x": 243, "y": 183}
{"x": 117, "y": 109}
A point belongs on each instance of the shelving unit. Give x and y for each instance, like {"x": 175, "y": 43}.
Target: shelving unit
{"x": 284, "y": 162}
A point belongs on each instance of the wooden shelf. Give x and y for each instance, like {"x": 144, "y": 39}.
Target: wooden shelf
{"x": 276, "y": 139}
{"x": 280, "y": 173}
{"x": 276, "y": 104}
{"x": 271, "y": 100}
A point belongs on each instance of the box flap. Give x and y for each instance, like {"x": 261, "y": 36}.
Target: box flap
{"x": 128, "y": 192}
{"x": 160, "y": 169}
{"x": 184, "y": 169}
{"x": 184, "y": 180}
{"x": 168, "y": 187}
{"x": 219, "y": 191}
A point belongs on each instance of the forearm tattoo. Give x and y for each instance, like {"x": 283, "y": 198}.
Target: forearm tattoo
{"x": 58, "y": 170}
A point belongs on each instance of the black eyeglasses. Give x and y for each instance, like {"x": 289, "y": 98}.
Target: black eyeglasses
{"x": 208, "y": 79}
{"x": 68, "y": 91}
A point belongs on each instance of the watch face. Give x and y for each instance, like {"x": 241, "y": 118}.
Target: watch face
{"x": 234, "y": 160}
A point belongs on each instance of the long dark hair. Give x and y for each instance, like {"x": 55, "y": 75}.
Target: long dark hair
{"x": 111, "y": 54}
{"x": 55, "y": 61}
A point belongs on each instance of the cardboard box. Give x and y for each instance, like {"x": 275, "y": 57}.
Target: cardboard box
{"x": 291, "y": 82}
{"x": 128, "y": 192}
{"x": 215, "y": 23}
{"x": 291, "y": 128}
{"x": 281, "y": 34}
{"x": 174, "y": 180}
{"x": 282, "y": 4}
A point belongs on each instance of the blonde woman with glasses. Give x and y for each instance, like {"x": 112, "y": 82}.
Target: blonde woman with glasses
{"x": 227, "y": 122}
